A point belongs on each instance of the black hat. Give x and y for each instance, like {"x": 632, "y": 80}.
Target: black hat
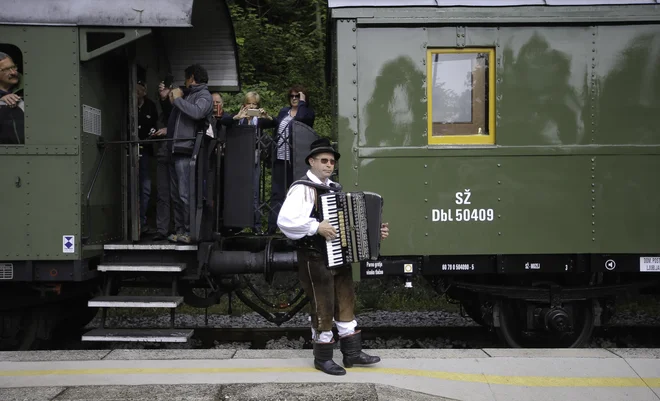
{"x": 321, "y": 145}
{"x": 142, "y": 82}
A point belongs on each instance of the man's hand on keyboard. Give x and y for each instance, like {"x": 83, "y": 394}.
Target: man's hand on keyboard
{"x": 327, "y": 230}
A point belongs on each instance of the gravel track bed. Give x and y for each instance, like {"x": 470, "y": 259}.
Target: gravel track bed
{"x": 254, "y": 320}
{"x": 370, "y": 319}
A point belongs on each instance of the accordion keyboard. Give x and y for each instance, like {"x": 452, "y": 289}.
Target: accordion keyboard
{"x": 332, "y": 213}
{"x": 356, "y": 218}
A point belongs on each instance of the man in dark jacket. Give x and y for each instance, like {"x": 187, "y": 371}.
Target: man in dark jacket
{"x": 191, "y": 111}
{"x": 147, "y": 121}
{"x": 12, "y": 119}
{"x": 163, "y": 166}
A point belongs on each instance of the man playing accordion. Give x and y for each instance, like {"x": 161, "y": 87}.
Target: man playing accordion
{"x": 330, "y": 291}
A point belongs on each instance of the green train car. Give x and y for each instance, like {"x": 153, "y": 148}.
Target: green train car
{"x": 69, "y": 183}
{"x": 515, "y": 144}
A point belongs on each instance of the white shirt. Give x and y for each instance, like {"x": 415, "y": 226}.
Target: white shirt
{"x": 294, "y": 220}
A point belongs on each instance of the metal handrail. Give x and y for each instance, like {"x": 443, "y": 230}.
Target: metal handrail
{"x": 192, "y": 194}
{"x": 101, "y": 145}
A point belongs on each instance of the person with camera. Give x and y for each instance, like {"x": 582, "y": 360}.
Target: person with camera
{"x": 163, "y": 162}
{"x": 191, "y": 108}
{"x": 250, "y": 112}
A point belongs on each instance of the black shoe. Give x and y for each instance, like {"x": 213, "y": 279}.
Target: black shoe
{"x": 160, "y": 237}
{"x": 351, "y": 347}
{"x": 323, "y": 359}
{"x": 146, "y": 230}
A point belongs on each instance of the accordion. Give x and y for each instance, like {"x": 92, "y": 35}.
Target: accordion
{"x": 357, "y": 218}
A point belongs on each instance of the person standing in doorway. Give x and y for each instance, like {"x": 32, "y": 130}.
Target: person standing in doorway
{"x": 192, "y": 110}
{"x": 147, "y": 124}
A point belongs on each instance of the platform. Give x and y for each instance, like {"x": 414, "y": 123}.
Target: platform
{"x": 411, "y": 374}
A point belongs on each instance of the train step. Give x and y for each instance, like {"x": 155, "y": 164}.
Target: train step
{"x": 151, "y": 268}
{"x": 139, "y": 335}
{"x": 135, "y": 301}
{"x": 153, "y": 246}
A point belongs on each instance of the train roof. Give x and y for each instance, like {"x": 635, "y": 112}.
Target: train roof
{"x": 208, "y": 38}
{"x": 481, "y": 3}
{"x": 116, "y": 13}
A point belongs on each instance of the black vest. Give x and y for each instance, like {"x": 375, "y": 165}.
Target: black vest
{"x": 315, "y": 242}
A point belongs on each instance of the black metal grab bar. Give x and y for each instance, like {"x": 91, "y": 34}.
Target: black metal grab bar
{"x": 86, "y": 237}
{"x": 194, "y": 207}
{"x": 193, "y": 194}
{"x": 144, "y": 141}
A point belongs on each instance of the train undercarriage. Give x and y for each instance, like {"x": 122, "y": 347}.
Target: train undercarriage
{"x": 532, "y": 310}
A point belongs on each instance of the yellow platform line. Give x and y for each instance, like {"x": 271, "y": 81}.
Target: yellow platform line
{"x": 523, "y": 381}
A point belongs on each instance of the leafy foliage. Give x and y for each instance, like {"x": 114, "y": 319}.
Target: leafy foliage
{"x": 281, "y": 43}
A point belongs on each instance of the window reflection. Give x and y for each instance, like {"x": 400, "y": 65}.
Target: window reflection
{"x": 459, "y": 95}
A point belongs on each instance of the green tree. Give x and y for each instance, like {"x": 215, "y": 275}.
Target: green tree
{"x": 282, "y": 43}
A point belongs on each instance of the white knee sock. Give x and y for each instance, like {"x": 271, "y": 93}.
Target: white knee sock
{"x": 346, "y": 328}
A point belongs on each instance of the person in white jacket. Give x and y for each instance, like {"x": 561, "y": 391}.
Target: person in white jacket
{"x": 330, "y": 291}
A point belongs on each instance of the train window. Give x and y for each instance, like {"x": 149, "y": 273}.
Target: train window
{"x": 460, "y": 92}
{"x": 12, "y": 107}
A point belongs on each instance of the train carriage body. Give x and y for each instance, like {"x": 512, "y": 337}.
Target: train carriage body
{"x": 70, "y": 186}
{"x": 516, "y": 147}
{"x": 80, "y": 62}
{"x": 504, "y": 127}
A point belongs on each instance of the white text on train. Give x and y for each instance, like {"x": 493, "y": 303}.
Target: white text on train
{"x": 458, "y": 266}
{"x": 463, "y": 214}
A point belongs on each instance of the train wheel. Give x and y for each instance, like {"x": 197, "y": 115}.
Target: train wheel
{"x": 570, "y": 326}
{"x": 17, "y": 330}
{"x": 75, "y": 314}
{"x": 24, "y": 330}
{"x": 473, "y": 310}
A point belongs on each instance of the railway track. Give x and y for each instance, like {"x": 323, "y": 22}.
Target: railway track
{"x": 259, "y": 337}
{"x": 458, "y": 337}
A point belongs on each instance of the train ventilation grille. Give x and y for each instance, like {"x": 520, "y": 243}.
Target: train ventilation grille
{"x": 6, "y": 271}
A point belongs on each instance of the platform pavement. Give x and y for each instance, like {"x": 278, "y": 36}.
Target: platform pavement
{"x": 404, "y": 374}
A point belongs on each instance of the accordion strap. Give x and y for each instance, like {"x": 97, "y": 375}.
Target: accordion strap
{"x": 315, "y": 242}
{"x": 335, "y": 187}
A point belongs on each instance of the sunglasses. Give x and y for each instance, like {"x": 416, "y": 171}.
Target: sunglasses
{"x": 325, "y": 161}
{"x": 10, "y": 68}
{"x": 294, "y": 96}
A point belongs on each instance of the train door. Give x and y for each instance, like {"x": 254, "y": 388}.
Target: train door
{"x": 110, "y": 152}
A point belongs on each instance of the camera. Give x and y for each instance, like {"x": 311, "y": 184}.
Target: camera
{"x": 168, "y": 81}
{"x": 253, "y": 112}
